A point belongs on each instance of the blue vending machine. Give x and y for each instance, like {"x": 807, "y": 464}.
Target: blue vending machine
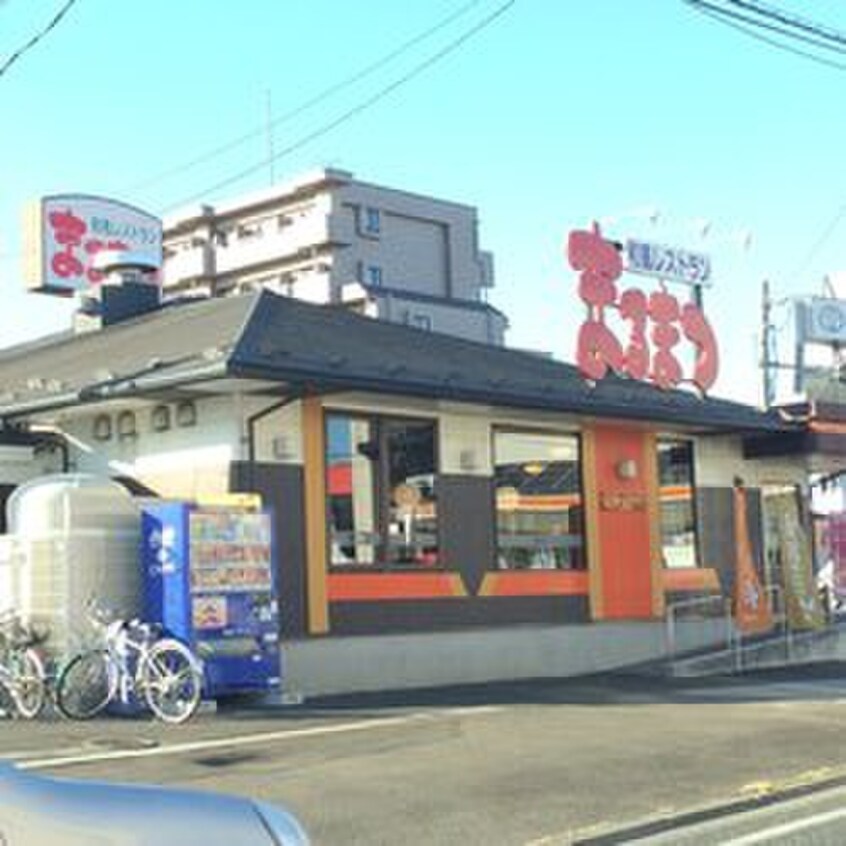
{"x": 209, "y": 580}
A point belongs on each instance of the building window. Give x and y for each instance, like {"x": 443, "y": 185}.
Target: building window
{"x": 186, "y": 413}
{"x": 102, "y": 427}
{"x": 374, "y": 275}
{"x": 539, "y": 504}
{"x": 160, "y": 418}
{"x": 126, "y": 425}
{"x": 372, "y": 221}
{"x": 678, "y": 508}
{"x": 250, "y": 230}
{"x": 381, "y": 483}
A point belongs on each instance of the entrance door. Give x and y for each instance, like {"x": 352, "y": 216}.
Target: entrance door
{"x": 625, "y": 508}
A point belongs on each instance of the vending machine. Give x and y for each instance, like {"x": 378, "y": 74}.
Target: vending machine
{"x": 208, "y": 580}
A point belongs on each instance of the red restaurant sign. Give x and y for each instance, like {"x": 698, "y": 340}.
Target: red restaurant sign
{"x": 656, "y": 322}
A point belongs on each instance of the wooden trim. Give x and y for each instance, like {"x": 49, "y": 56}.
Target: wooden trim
{"x": 535, "y": 583}
{"x": 591, "y": 506}
{"x": 314, "y": 454}
{"x": 360, "y": 587}
{"x": 653, "y": 508}
{"x": 827, "y": 427}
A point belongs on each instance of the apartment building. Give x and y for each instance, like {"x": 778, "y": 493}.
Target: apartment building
{"x": 329, "y": 239}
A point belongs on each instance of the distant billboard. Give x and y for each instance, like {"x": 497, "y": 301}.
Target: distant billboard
{"x": 822, "y": 320}
{"x": 671, "y": 263}
{"x": 63, "y": 234}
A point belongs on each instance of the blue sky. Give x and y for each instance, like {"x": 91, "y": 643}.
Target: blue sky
{"x": 556, "y": 113}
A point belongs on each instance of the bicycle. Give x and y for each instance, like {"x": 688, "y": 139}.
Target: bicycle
{"x": 23, "y": 678}
{"x": 135, "y": 660}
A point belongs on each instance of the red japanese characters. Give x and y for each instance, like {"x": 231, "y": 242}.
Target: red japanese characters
{"x": 656, "y": 322}
{"x": 68, "y": 233}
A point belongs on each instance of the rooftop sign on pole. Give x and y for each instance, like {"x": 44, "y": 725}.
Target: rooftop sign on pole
{"x": 64, "y": 233}
{"x": 655, "y": 322}
{"x": 823, "y": 321}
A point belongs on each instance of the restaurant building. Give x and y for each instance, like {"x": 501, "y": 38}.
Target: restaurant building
{"x": 444, "y": 511}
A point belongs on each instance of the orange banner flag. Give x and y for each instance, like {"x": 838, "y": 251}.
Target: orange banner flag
{"x": 751, "y": 607}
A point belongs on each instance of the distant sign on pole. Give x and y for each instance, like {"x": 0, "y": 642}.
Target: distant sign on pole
{"x": 823, "y": 321}
{"x": 670, "y": 263}
{"x": 64, "y": 233}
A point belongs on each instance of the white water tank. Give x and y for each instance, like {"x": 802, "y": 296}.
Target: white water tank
{"x": 74, "y": 537}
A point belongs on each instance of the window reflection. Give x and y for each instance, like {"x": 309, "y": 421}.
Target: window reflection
{"x": 539, "y": 507}
{"x": 381, "y": 487}
{"x": 678, "y": 512}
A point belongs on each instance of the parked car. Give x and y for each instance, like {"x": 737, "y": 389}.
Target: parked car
{"x": 37, "y": 810}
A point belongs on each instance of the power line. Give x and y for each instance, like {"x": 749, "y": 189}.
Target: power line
{"x": 37, "y": 37}
{"x": 309, "y": 103}
{"x": 700, "y": 7}
{"x": 774, "y": 13}
{"x": 820, "y": 242}
{"x": 355, "y": 110}
{"x": 788, "y": 32}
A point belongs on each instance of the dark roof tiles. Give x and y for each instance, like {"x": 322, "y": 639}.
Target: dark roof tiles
{"x": 267, "y": 336}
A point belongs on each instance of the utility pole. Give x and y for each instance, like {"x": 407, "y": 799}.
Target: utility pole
{"x": 268, "y": 109}
{"x": 768, "y": 363}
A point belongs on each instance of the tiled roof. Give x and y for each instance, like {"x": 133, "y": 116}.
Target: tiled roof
{"x": 320, "y": 348}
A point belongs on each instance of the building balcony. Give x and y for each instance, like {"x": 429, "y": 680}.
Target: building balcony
{"x": 246, "y": 249}
{"x": 195, "y": 263}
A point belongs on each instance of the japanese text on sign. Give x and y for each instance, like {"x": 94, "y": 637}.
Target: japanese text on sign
{"x": 64, "y": 234}
{"x": 656, "y": 322}
{"x": 668, "y": 262}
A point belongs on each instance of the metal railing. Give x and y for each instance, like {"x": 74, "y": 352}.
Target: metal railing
{"x": 775, "y": 598}
{"x": 699, "y": 612}
{"x": 688, "y": 635}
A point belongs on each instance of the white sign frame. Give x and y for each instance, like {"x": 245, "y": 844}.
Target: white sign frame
{"x": 673, "y": 264}
{"x": 64, "y": 232}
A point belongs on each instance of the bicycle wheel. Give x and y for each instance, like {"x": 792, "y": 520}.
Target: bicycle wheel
{"x": 29, "y": 688}
{"x": 8, "y": 706}
{"x": 86, "y": 685}
{"x": 172, "y": 681}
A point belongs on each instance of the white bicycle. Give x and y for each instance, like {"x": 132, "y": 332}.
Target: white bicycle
{"x": 23, "y": 686}
{"x": 134, "y": 660}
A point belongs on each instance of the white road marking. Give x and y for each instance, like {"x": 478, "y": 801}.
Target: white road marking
{"x": 768, "y": 834}
{"x": 237, "y": 741}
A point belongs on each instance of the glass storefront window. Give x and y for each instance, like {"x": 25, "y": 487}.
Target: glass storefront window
{"x": 539, "y": 505}
{"x": 678, "y": 510}
{"x": 381, "y": 490}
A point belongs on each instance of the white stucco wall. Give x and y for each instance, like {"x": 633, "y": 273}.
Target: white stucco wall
{"x": 719, "y": 459}
{"x": 183, "y": 461}
{"x": 279, "y": 433}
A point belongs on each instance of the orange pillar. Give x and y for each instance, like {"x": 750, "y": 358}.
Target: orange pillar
{"x": 622, "y": 523}
{"x": 314, "y": 454}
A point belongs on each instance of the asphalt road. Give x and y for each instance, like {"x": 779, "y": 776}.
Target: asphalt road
{"x": 534, "y": 764}
{"x": 817, "y": 817}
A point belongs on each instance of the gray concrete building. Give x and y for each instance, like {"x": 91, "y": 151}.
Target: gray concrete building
{"x": 327, "y": 238}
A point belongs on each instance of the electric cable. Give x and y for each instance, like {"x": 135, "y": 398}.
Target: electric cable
{"x": 307, "y": 104}
{"x": 820, "y": 242}
{"x": 805, "y": 24}
{"x": 451, "y": 47}
{"x": 699, "y": 7}
{"x": 702, "y": 5}
{"x": 37, "y": 37}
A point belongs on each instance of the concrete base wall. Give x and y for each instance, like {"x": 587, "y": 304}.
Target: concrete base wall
{"x": 356, "y": 664}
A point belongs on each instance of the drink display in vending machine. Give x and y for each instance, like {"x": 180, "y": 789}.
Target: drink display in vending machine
{"x": 209, "y": 580}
